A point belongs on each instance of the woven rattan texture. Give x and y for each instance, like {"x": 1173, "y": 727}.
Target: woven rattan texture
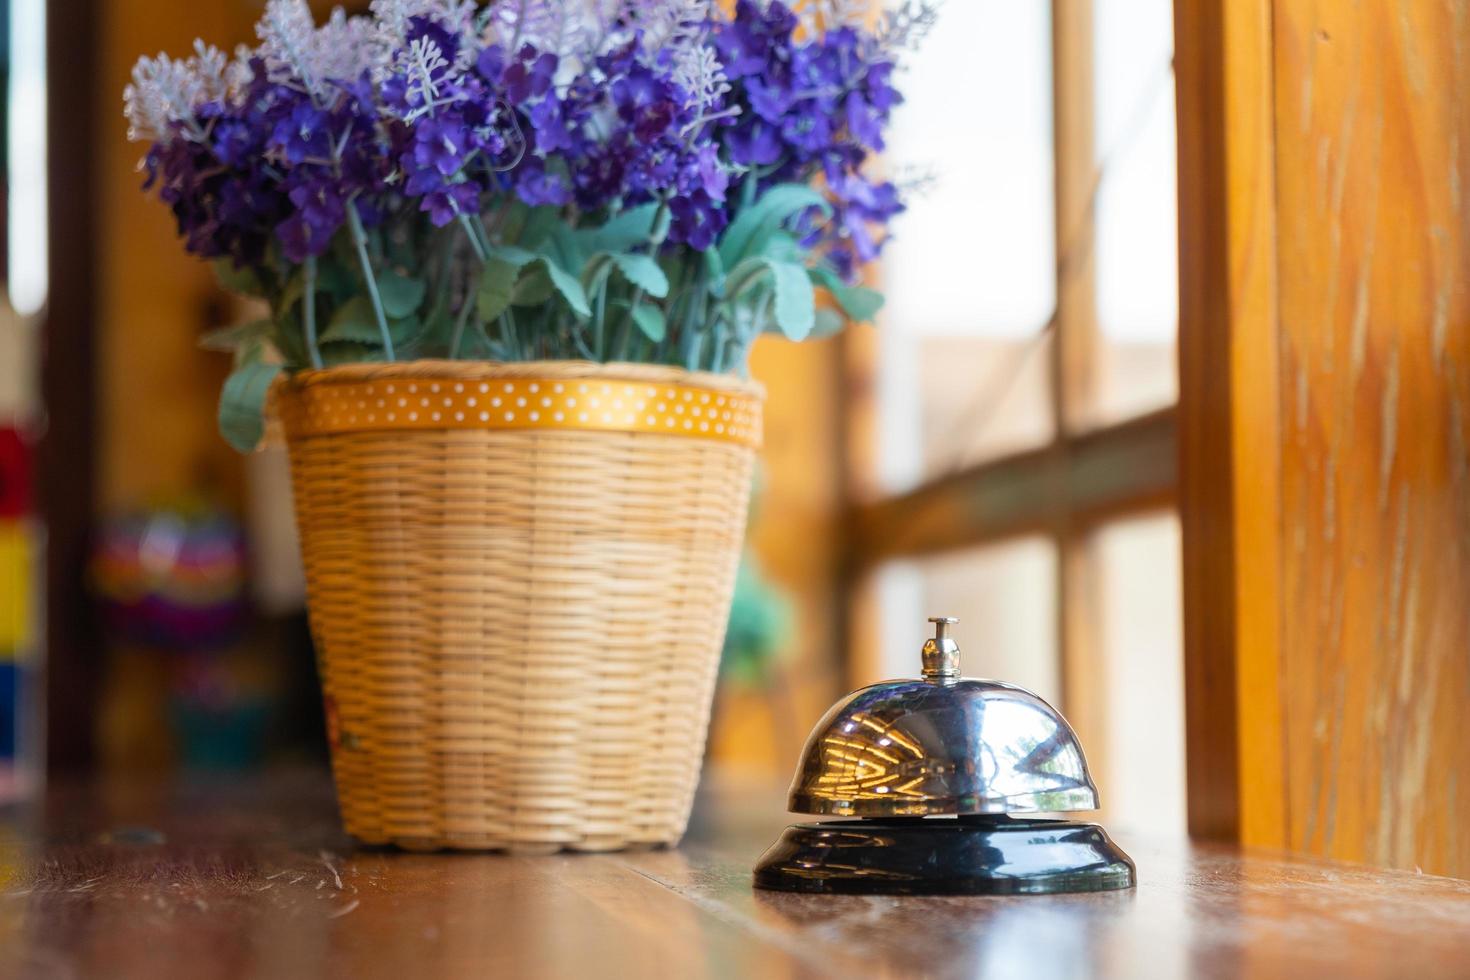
{"x": 519, "y": 630}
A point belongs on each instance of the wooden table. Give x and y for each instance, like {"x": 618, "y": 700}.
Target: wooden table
{"x": 255, "y": 880}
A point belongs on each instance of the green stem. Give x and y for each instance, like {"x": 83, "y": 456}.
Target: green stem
{"x": 744, "y": 340}
{"x": 625, "y": 328}
{"x": 627, "y": 325}
{"x": 508, "y": 329}
{"x": 717, "y": 351}
{"x": 459, "y": 325}
{"x": 359, "y": 239}
{"x": 309, "y": 299}
{"x": 481, "y": 251}
{"x": 442, "y": 282}
{"x": 599, "y": 325}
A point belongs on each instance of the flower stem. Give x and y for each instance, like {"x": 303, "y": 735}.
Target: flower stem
{"x": 359, "y": 239}
{"x": 309, "y": 300}
{"x": 459, "y": 325}
{"x": 717, "y": 350}
{"x": 600, "y": 323}
{"x": 481, "y": 252}
{"x": 512, "y": 342}
{"x": 626, "y": 327}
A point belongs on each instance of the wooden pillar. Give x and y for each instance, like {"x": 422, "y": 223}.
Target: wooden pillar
{"x": 1325, "y": 424}
{"x": 1074, "y": 369}
{"x": 1229, "y": 493}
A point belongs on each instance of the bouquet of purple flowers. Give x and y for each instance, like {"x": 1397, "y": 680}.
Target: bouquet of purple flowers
{"x": 630, "y": 180}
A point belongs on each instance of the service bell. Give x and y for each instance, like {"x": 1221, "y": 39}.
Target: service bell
{"x": 940, "y": 773}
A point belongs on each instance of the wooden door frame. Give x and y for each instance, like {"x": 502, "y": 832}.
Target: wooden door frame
{"x": 67, "y": 459}
{"x": 1229, "y": 419}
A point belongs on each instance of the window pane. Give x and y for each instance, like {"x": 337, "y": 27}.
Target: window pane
{"x": 1137, "y": 243}
{"x": 1005, "y": 598}
{"x": 949, "y": 402}
{"x": 1141, "y": 766}
{"x": 970, "y": 274}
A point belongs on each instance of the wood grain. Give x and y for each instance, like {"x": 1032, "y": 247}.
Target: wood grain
{"x": 1373, "y": 157}
{"x": 1229, "y": 469}
{"x": 253, "y": 879}
{"x": 1327, "y": 561}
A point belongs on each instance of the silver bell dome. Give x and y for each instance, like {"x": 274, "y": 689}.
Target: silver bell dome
{"x": 943, "y": 744}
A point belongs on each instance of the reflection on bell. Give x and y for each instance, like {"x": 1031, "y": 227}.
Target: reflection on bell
{"x": 935, "y": 769}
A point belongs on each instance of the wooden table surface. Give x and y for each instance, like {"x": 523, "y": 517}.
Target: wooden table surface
{"x": 255, "y": 880}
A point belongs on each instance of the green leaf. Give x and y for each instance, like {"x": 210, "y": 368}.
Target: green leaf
{"x": 290, "y": 339}
{"x": 714, "y": 271}
{"x": 643, "y": 272}
{"x": 242, "y": 405}
{"x": 513, "y": 254}
{"x": 244, "y": 280}
{"x": 233, "y": 338}
{"x": 782, "y": 246}
{"x": 534, "y": 287}
{"x": 860, "y": 303}
{"x": 334, "y": 280}
{"x": 650, "y": 320}
{"x": 561, "y": 246}
{"x": 497, "y": 288}
{"x": 571, "y": 290}
{"x": 291, "y": 295}
{"x": 745, "y": 276}
{"x": 401, "y": 295}
{"x": 627, "y": 230}
{"x": 350, "y": 352}
{"x": 514, "y": 222}
{"x": 829, "y": 322}
{"x": 796, "y": 304}
{"x": 438, "y": 330}
{"x": 539, "y": 225}
{"x": 354, "y": 321}
{"x": 598, "y": 268}
{"x": 746, "y": 233}
{"x": 405, "y": 329}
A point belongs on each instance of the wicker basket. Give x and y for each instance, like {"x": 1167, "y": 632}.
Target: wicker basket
{"x": 519, "y": 579}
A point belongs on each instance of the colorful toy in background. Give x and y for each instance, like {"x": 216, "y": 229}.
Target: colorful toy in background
{"x": 173, "y": 579}
{"x": 172, "y": 583}
{"x": 18, "y": 574}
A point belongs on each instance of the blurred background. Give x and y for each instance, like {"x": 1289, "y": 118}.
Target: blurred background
{"x": 1000, "y": 447}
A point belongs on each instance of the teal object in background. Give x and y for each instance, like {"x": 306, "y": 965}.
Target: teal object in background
{"x": 760, "y": 621}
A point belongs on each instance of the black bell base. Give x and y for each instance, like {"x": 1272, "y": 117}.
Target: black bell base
{"x": 989, "y": 855}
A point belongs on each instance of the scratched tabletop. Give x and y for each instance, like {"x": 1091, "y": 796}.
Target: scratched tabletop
{"x": 254, "y": 879}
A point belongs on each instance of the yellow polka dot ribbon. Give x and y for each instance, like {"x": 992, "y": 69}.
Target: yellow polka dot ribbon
{"x": 524, "y": 403}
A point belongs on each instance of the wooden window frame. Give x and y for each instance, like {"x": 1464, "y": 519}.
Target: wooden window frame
{"x": 1085, "y": 477}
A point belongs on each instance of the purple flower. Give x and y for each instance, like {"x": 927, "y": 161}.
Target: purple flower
{"x": 807, "y": 133}
{"x": 538, "y": 188}
{"x": 770, "y": 101}
{"x": 697, "y": 220}
{"x": 529, "y": 76}
{"x": 302, "y": 134}
{"x": 458, "y": 117}
{"x": 449, "y": 201}
{"x": 748, "y": 43}
{"x": 864, "y": 121}
{"x": 426, "y": 28}
{"x": 553, "y": 131}
{"x": 439, "y": 143}
{"x": 318, "y": 215}
{"x": 754, "y": 144}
